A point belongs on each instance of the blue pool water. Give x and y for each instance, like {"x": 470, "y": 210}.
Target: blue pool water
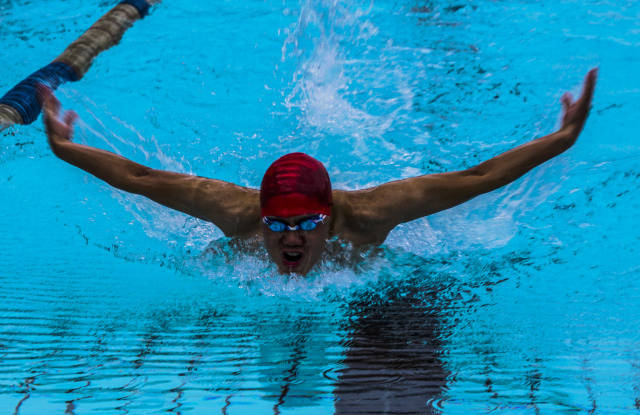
{"x": 524, "y": 300}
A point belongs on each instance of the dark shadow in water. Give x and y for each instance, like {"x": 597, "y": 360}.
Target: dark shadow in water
{"x": 392, "y": 363}
{"x": 26, "y": 391}
{"x": 4, "y": 6}
{"x": 533, "y": 378}
{"x": 636, "y": 384}
{"x": 292, "y": 374}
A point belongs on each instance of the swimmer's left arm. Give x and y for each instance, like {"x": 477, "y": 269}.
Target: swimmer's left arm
{"x": 234, "y": 209}
{"x": 381, "y": 208}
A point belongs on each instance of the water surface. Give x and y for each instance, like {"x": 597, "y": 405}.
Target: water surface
{"x": 524, "y": 300}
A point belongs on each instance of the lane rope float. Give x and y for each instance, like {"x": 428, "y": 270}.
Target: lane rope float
{"x": 20, "y": 105}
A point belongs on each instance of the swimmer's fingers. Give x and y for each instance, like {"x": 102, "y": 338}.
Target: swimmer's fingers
{"x": 575, "y": 112}
{"x": 567, "y": 103}
{"x": 69, "y": 118}
{"x": 567, "y": 100}
{"x": 67, "y": 128}
{"x": 588, "y": 87}
{"x": 42, "y": 93}
{"x": 50, "y": 104}
{"x": 57, "y": 130}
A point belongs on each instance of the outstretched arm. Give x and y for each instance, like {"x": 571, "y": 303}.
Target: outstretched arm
{"x": 383, "y": 207}
{"x": 234, "y": 209}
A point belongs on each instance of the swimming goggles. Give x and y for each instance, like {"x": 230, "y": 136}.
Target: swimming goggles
{"x": 308, "y": 224}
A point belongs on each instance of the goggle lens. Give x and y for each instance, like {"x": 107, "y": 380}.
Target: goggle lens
{"x": 305, "y": 225}
{"x": 276, "y": 226}
{"x": 308, "y": 225}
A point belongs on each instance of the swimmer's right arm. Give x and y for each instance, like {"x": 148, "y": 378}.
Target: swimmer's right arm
{"x": 372, "y": 213}
{"x": 234, "y": 209}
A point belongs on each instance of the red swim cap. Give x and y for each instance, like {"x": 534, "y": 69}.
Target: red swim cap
{"x": 295, "y": 184}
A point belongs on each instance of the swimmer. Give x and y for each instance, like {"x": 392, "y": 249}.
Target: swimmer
{"x": 295, "y": 211}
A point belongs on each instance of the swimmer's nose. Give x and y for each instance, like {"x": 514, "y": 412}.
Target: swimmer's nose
{"x": 292, "y": 238}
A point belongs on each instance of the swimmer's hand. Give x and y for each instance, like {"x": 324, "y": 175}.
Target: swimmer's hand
{"x": 574, "y": 113}
{"x": 58, "y": 130}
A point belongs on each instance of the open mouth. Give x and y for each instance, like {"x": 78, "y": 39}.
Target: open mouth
{"x": 291, "y": 258}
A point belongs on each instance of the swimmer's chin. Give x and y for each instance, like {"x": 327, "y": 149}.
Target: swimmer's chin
{"x": 290, "y": 271}
{"x": 301, "y": 270}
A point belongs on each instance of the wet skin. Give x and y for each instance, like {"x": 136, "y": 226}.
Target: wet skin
{"x": 296, "y": 251}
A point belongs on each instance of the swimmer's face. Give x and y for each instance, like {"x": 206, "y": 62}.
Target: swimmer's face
{"x": 296, "y": 251}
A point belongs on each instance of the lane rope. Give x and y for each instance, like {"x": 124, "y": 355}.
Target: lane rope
{"x": 24, "y": 98}
{"x": 141, "y": 5}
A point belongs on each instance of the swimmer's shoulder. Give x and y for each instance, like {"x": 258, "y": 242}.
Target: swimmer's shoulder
{"x": 356, "y": 219}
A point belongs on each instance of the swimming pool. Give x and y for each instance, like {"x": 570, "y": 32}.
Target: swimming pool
{"x": 525, "y": 300}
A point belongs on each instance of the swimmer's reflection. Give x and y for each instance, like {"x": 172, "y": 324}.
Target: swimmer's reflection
{"x": 392, "y": 363}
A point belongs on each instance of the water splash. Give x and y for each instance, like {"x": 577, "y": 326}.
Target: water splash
{"x": 333, "y": 82}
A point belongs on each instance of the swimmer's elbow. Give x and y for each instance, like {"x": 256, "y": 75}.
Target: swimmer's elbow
{"x": 482, "y": 178}
{"x": 136, "y": 179}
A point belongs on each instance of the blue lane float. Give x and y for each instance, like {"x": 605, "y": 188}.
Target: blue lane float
{"x": 141, "y": 5}
{"x": 22, "y": 100}
{"x": 23, "y": 97}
